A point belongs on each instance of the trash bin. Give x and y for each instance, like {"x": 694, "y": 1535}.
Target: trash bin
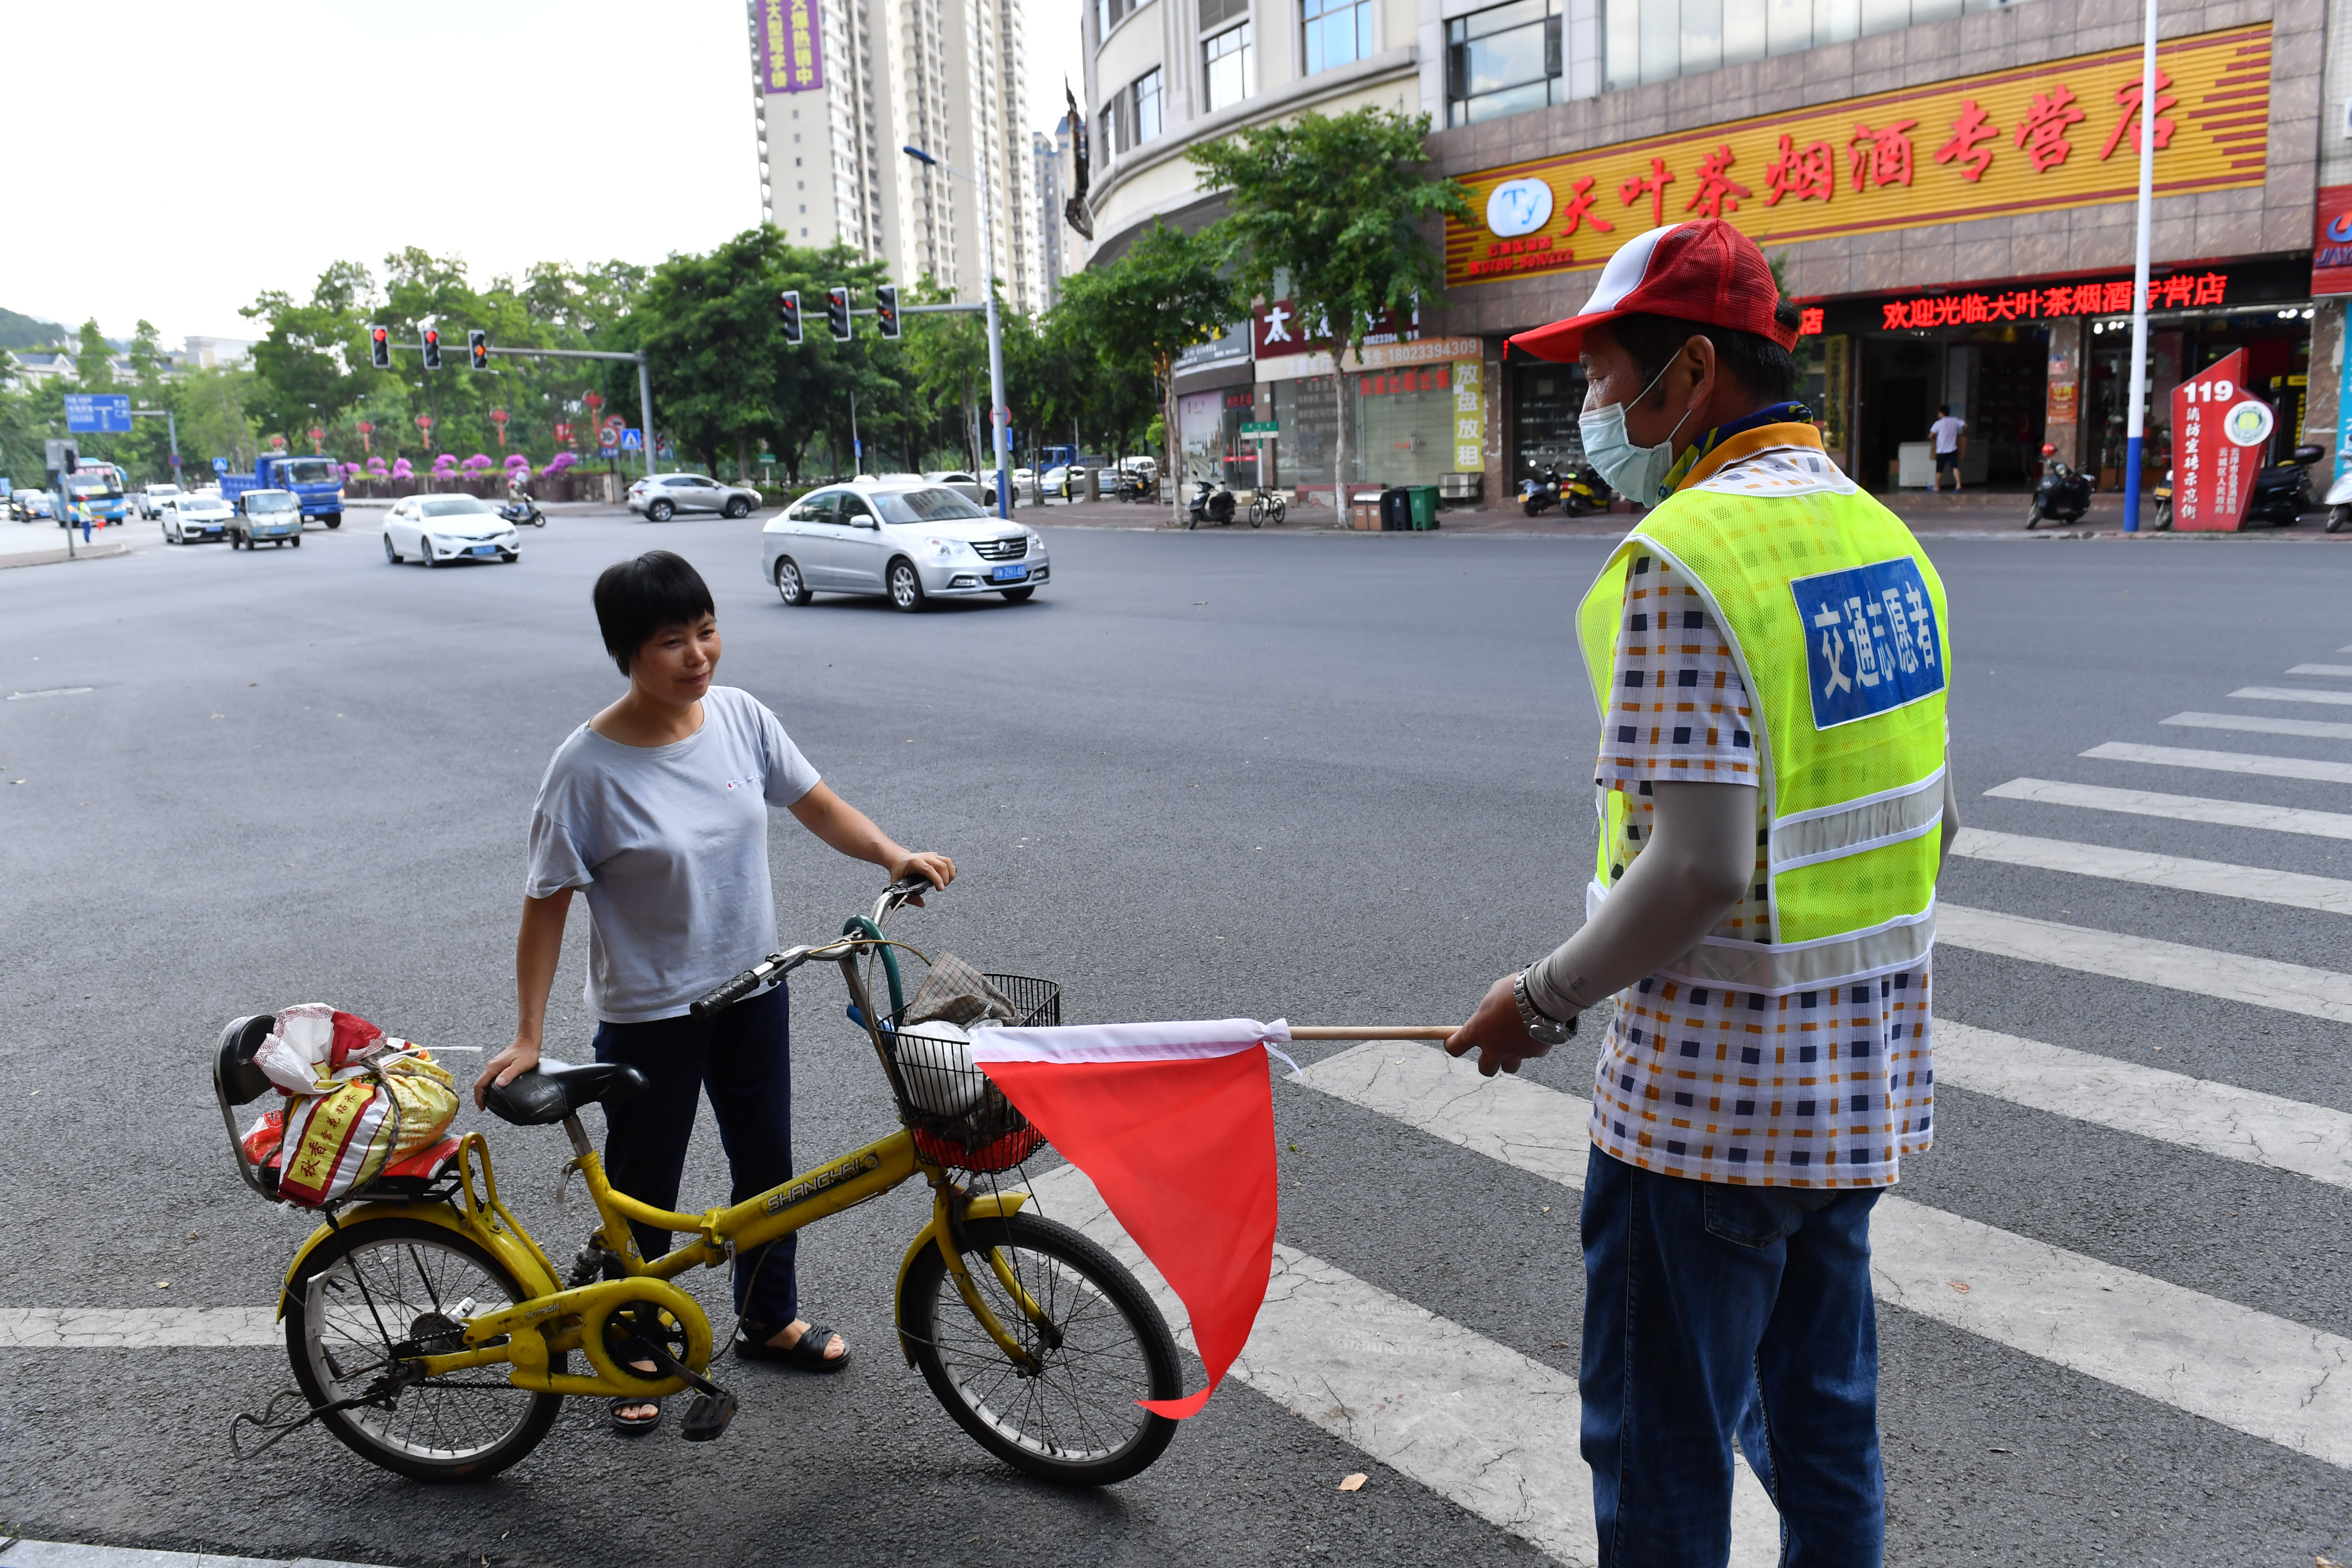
{"x": 1396, "y": 509}
{"x": 1424, "y": 505}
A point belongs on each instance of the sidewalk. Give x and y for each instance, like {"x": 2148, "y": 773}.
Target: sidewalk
{"x": 65, "y": 1554}
{"x": 38, "y": 544}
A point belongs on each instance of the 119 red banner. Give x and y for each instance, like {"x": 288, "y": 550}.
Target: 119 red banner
{"x": 2218, "y": 431}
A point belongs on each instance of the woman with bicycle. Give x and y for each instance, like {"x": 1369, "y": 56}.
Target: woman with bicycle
{"x": 657, "y": 809}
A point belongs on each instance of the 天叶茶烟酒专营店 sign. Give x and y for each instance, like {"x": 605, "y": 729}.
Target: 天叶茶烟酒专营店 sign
{"x": 2031, "y": 139}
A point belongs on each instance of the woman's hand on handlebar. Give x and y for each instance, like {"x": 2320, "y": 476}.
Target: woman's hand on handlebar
{"x": 506, "y": 1066}
{"x": 936, "y": 869}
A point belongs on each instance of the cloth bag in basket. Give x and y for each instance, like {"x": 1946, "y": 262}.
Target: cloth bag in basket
{"x": 357, "y": 1099}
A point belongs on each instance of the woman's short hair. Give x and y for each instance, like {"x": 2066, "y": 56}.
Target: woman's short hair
{"x": 634, "y": 599}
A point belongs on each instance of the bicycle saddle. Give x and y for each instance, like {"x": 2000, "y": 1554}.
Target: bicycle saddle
{"x": 551, "y": 1090}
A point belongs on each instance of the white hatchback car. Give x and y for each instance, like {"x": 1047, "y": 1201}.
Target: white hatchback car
{"x": 437, "y": 530}
{"x": 913, "y": 542}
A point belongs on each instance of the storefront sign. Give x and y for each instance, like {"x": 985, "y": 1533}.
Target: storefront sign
{"x": 1275, "y": 331}
{"x": 2060, "y": 407}
{"x": 1469, "y": 417}
{"x": 1261, "y": 429}
{"x": 2040, "y": 138}
{"x": 1375, "y": 357}
{"x": 791, "y": 46}
{"x": 1230, "y": 346}
{"x": 2218, "y": 431}
{"x": 2331, "y": 241}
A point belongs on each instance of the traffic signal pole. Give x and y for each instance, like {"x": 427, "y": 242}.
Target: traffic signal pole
{"x": 636, "y": 357}
{"x": 999, "y": 417}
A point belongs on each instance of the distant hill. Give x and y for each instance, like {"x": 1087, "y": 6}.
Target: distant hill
{"x": 30, "y": 331}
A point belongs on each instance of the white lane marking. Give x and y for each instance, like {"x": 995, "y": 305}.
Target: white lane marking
{"x": 2318, "y": 729}
{"x": 2293, "y": 694}
{"x": 2211, "y": 1118}
{"x": 50, "y": 691}
{"x": 2338, "y": 671}
{"x": 2176, "y": 966}
{"x": 2223, "y": 762}
{"x": 2294, "y": 889}
{"x": 137, "y": 1328}
{"x": 1475, "y": 1422}
{"x": 2245, "y": 1369}
{"x": 2179, "y": 808}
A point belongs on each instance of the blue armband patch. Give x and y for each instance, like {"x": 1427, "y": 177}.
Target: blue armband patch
{"x": 1872, "y": 643}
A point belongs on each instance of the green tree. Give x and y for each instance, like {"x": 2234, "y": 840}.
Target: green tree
{"x": 216, "y": 418}
{"x": 94, "y": 360}
{"x": 1341, "y": 207}
{"x": 1168, "y": 292}
{"x": 308, "y": 350}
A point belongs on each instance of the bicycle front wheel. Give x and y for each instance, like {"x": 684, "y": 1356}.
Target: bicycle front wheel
{"x": 1097, "y": 1341}
{"x": 405, "y": 1282}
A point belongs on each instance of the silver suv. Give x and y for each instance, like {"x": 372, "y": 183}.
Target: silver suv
{"x": 664, "y": 495}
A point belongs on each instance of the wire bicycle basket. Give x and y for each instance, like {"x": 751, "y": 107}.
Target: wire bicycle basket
{"x": 957, "y": 1116}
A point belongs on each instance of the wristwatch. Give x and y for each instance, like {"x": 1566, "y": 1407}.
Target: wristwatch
{"x": 1540, "y": 1026}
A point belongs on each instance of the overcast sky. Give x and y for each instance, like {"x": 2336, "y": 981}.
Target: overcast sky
{"x": 203, "y": 153}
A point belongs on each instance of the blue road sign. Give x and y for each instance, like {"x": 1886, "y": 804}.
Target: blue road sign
{"x": 220, "y": 465}
{"x": 632, "y": 440}
{"x": 98, "y": 413}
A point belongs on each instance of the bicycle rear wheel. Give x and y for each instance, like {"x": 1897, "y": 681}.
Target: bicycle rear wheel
{"x": 1102, "y": 1346}
{"x": 383, "y": 1283}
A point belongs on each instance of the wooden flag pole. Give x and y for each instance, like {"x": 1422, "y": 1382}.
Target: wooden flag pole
{"x": 1383, "y": 1032}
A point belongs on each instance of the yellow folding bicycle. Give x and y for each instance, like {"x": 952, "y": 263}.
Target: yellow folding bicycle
{"x": 433, "y": 1336}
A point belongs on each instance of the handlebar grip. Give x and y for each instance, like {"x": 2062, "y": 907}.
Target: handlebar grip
{"x": 732, "y": 992}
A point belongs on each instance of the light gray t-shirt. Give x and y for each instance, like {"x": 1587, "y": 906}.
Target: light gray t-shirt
{"x": 671, "y": 844}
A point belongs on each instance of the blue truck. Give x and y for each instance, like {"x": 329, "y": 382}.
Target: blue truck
{"x": 316, "y": 483}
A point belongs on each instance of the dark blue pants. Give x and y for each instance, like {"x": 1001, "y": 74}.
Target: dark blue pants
{"x": 1712, "y": 1310}
{"x": 743, "y": 1056}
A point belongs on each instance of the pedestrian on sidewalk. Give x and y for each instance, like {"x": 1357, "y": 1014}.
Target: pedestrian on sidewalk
{"x": 1951, "y": 441}
{"x": 657, "y": 809}
{"x": 1767, "y": 650}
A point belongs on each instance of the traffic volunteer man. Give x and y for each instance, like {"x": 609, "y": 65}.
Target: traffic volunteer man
{"x": 1768, "y": 651}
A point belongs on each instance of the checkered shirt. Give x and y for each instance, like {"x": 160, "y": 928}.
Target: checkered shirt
{"x": 1814, "y": 1089}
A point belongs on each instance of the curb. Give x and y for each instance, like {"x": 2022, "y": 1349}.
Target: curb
{"x": 15, "y": 1554}
{"x": 91, "y": 552}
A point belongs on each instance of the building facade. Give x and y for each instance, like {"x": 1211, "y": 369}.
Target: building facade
{"x": 841, "y": 86}
{"x": 1946, "y": 186}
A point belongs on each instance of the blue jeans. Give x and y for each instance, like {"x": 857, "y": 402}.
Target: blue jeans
{"x": 743, "y": 1056}
{"x": 1711, "y": 1310}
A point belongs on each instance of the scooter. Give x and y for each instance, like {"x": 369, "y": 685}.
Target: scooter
{"x": 2063, "y": 496}
{"x": 1540, "y": 495}
{"x": 1210, "y": 503}
{"x": 1584, "y": 491}
{"x": 2339, "y": 496}
{"x": 1131, "y": 485}
{"x": 523, "y": 510}
{"x": 2282, "y": 490}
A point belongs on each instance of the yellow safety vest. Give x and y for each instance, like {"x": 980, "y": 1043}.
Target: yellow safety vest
{"x": 1836, "y": 620}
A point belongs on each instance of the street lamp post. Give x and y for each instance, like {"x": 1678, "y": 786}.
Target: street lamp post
{"x": 2136, "y": 419}
{"x": 999, "y": 417}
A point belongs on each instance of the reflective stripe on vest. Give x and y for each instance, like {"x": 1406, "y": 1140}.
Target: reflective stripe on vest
{"x": 1836, "y": 621}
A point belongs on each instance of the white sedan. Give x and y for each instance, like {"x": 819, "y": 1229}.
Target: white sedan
{"x": 187, "y": 518}
{"x": 439, "y": 529}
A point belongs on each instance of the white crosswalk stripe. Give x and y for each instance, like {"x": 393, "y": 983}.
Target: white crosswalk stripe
{"x": 2179, "y": 808}
{"x": 2257, "y": 724}
{"x": 2176, "y": 966}
{"x": 2293, "y": 694}
{"x": 2296, "y": 889}
{"x": 2339, "y": 670}
{"x": 1474, "y": 1421}
{"x": 2223, "y": 762}
{"x": 2246, "y": 1369}
{"x": 2219, "y": 1119}
{"x": 137, "y": 1328}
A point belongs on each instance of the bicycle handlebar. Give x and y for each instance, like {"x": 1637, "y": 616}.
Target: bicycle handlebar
{"x": 771, "y": 968}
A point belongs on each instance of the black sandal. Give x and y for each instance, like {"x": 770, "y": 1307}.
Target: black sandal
{"x": 805, "y": 1354}
{"x": 631, "y": 1425}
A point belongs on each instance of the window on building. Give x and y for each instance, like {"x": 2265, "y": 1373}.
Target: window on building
{"x": 1227, "y": 66}
{"x": 1148, "y": 120}
{"x": 1337, "y": 31}
{"x": 1134, "y": 116}
{"x": 1657, "y": 40}
{"x": 1503, "y": 61}
{"x": 1109, "y": 14}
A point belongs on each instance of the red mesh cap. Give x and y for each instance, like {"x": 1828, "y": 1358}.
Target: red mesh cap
{"x": 1705, "y": 271}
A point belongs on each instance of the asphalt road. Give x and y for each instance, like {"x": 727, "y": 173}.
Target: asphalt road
{"x": 1338, "y": 779}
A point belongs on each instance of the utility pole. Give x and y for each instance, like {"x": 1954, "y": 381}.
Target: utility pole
{"x": 2135, "y": 418}
{"x": 999, "y": 417}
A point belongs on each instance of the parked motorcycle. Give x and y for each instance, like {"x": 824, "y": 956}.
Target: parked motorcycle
{"x": 1210, "y": 503}
{"x": 1585, "y": 491}
{"x": 1132, "y": 485}
{"x": 2282, "y": 490}
{"x": 1540, "y": 495}
{"x": 523, "y": 512}
{"x": 2339, "y": 496}
{"x": 2063, "y": 496}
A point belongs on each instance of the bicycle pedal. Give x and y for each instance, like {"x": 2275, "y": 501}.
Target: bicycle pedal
{"x": 706, "y": 1418}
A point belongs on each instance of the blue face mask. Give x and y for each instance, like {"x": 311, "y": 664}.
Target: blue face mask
{"x": 1637, "y": 473}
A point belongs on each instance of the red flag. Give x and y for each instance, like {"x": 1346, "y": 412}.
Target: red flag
{"x": 1174, "y": 1124}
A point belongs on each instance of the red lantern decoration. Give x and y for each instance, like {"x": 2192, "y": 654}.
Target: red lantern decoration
{"x": 499, "y": 418}
{"x": 367, "y": 430}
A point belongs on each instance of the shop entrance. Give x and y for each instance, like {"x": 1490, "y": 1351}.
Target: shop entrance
{"x": 2277, "y": 341}
{"x": 1546, "y": 399}
{"x": 1994, "y": 379}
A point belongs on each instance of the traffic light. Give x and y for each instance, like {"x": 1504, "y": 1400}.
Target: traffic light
{"x": 432, "y": 348}
{"x": 885, "y": 308}
{"x": 380, "y": 348}
{"x": 836, "y": 311}
{"x": 477, "y": 348}
{"x": 788, "y": 306}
